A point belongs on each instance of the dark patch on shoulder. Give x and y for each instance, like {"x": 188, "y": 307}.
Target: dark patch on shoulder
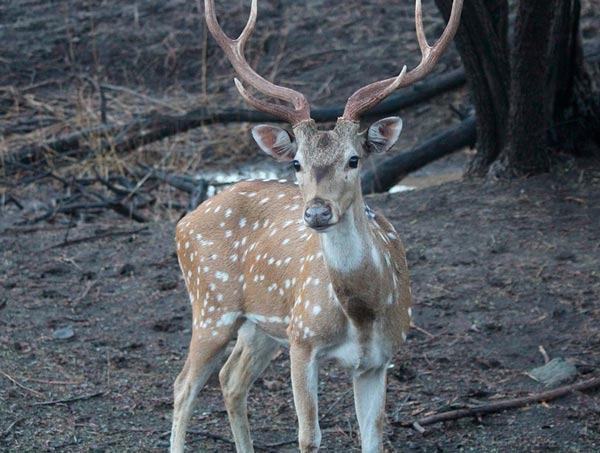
{"x": 359, "y": 311}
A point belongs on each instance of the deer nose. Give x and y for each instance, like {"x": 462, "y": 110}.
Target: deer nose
{"x": 318, "y": 213}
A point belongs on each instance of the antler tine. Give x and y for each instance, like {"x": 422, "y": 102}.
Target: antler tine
{"x": 369, "y": 96}
{"x": 421, "y": 38}
{"x": 249, "y": 28}
{"x": 234, "y": 50}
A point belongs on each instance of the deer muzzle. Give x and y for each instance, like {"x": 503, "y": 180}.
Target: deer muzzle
{"x": 318, "y": 214}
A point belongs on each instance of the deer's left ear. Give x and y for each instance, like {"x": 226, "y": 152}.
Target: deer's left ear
{"x": 275, "y": 141}
{"x": 383, "y": 134}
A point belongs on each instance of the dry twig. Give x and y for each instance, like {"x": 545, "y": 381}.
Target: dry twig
{"x": 500, "y": 406}
{"x": 18, "y": 384}
{"x": 5, "y": 432}
{"x": 87, "y": 396}
{"x": 96, "y": 237}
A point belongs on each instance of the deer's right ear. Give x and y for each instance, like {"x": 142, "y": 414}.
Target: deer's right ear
{"x": 275, "y": 141}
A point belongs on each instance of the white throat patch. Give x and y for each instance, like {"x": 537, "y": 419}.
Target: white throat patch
{"x": 345, "y": 248}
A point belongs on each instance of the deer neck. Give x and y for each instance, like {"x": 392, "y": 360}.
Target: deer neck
{"x": 348, "y": 247}
{"x": 352, "y": 257}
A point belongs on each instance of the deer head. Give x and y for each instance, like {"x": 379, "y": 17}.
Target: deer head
{"x": 327, "y": 163}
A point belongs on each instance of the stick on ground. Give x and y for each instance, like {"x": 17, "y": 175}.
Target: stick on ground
{"x": 87, "y": 396}
{"x": 97, "y": 237}
{"x": 500, "y": 406}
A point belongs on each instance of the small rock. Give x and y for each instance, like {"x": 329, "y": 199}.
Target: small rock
{"x": 168, "y": 325}
{"x": 565, "y": 255}
{"x": 554, "y": 373}
{"x": 166, "y": 283}
{"x": 21, "y": 346}
{"x": 88, "y": 275}
{"x": 64, "y": 333}
{"x": 55, "y": 269}
{"x": 127, "y": 269}
{"x": 499, "y": 248}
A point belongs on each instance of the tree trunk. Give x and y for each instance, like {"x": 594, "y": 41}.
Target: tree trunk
{"x": 575, "y": 112}
{"x": 526, "y": 150}
{"x": 533, "y": 95}
{"x": 481, "y": 40}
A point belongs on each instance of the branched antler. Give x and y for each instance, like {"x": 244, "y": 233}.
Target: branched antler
{"x": 234, "y": 50}
{"x": 362, "y": 100}
{"x": 369, "y": 96}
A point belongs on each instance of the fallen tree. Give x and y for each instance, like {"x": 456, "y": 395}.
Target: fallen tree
{"x": 153, "y": 127}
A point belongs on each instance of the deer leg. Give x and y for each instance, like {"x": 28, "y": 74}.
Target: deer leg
{"x": 252, "y": 353}
{"x": 305, "y": 380}
{"x": 369, "y": 401}
{"x": 201, "y": 362}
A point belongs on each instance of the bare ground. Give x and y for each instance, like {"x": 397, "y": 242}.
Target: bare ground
{"x": 497, "y": 271}
{"x": 93, "y": 333}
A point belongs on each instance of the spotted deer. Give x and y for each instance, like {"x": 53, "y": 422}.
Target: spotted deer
{"x": 305, "y": 264}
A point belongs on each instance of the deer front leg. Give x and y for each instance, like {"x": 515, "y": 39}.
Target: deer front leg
{"x": 305, "y": 380}
{"x": 369, "y": 400}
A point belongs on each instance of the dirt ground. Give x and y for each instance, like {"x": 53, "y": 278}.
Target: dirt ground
{"x": 497, "y": 271}
{"x": 94, "y": 319}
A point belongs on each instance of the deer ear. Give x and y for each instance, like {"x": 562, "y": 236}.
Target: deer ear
{"x": 276, "y": 142}
{"x": 383, "y": 134}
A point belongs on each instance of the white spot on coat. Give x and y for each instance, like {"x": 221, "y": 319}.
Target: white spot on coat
{"x": 223, "y": 276}
{"x": 228, "y": 318}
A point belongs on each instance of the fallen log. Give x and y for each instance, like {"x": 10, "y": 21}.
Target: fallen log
{"x": 32, "y": 153}
{"x": 152, "y": 127}
{"x": 390, "y": 171}
{"x": 499, "y": 406}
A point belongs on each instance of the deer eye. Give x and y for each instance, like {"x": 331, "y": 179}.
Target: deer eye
{"x": 297, "y": 166}
{"x": 353, "y": 162}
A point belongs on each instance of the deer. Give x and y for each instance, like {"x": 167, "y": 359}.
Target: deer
{"x": 304, "y": 264}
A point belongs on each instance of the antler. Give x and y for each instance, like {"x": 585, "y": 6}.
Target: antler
{"x": 372, "y": 94}
{"x": 234, "y": 50}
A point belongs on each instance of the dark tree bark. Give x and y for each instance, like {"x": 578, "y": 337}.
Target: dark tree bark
{"x": 566, "y": 46}
{"x": 575, "y": 111}
{"x": 530, "y": 96}
{"x": 482, "y": 42}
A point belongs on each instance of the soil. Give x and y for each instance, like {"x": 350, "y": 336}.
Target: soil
{"x": 497, "y": 270}
{"x": 94, "y": 319}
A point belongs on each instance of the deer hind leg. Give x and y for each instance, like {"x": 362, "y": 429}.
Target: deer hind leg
{"x": 369, "y": 401}
{"x": 202, "y": 360}
{"x": 252, "y": 353}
